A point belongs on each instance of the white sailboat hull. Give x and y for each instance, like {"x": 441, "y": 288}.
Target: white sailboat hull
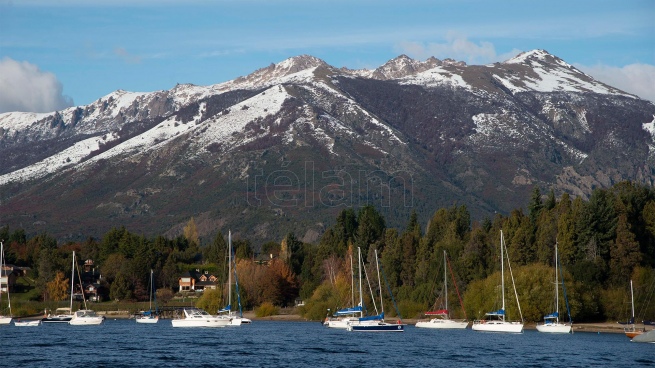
{"x": 27, "y": 323}
{"x": 5, "y": 320}
{"x": 442, "y": 324}
{"x": 85, "y": 321}
{"x": 340, "y": 322}
{"x": 147, "y": 319}
{"x": 233, "y": 321}
{"x": 498, "y": 326}
{"x": 554, "y": 328}
{"x": 85, "y": 318}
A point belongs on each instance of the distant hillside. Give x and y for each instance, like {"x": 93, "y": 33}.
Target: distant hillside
{"x": 290, "y": 145}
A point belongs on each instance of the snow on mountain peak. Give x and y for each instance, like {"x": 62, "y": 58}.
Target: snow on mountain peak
{"x": 298, "y": 63}
{"x": 540, "y": 71}
{"x": 404, "y": 66}
{"x": 538, "y": 56}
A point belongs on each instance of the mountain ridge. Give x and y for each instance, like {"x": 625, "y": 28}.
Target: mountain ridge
{"x": 438, "y": 131}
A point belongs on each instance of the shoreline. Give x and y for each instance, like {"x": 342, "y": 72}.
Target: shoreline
{"x": 593, "y": 327}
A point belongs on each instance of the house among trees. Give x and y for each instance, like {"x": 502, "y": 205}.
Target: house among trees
{"x": 7, "y": 278}
{"x": 94, "y": 290}
{"x": 197, "y": 281}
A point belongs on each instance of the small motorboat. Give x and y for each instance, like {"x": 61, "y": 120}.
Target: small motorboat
{"x": 30, "y": 323}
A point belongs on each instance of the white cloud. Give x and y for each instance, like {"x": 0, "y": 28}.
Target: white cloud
{"x": 457, "y": 47}
{"x": 126, "y": 56}
{"x": 638, "y": 79}
{"x": 23, "y": 87}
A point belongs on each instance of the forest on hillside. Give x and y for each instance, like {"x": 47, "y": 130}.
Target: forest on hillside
{"x": 603, "y": 243}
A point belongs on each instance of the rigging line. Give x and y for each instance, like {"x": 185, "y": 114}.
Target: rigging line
{"x": 649, "y": 295}
{"x": 81, "y": 286}
{"x": 513, "y": 283}
{"x": 236, "y": 284}
{"x": 566, "y": 299}
{"x": 371, "y": 289}
{"x": 390, "y": 293}
{"x": 456, "y": 288}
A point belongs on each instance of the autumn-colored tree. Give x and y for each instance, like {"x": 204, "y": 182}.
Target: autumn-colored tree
{"x": 191, "y": 232}
{"x": 210, "y": 300}
{"x": 58, "y": 288}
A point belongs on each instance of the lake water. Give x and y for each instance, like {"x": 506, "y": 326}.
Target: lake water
{"x": 124, "y": 343}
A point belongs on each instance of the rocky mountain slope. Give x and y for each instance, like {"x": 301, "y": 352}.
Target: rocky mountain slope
{"x": 290, "y": 145}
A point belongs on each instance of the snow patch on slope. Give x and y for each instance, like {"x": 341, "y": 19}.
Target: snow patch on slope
{"x": 436, "y": 77}
{"x": 221, "y": 127}
{"x": 15, "y": 121}
{"x": 650, "y": 128}
{"x": 60, "y": 161}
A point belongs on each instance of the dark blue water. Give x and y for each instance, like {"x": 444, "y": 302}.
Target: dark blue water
{"x": 124, "y": 343}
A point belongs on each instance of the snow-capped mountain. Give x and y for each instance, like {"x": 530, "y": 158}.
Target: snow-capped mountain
{"x": 294, "y": 142}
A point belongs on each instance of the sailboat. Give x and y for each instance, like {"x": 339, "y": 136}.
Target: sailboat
{"x": 227, "y": 313}
{"x": 344, "y": 316}
{"x": 82, "y": 317}
{"x": 375, "y": 323}
{"x": 149, "y": 316}
{"x": 63, "y": 315}
{"x": 551, "y": 321}
{"x": 4, "y": 319}
{"x": 496, "y": 321}
{"x": 630, "y": 330}
{"x": 442, "y": 316}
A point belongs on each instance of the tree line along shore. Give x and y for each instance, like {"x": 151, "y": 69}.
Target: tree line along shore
{"x": 603, "y": 241}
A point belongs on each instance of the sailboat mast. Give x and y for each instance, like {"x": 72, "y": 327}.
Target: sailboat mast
{"x": 502, "y": 271}
{"x": 2, "y": 263}
{"x": 361, "y": 298}
{"x": 2, "y": 254}
{"x": 632, "y": 303}
{"x": 556, "y": 285}
{"x": 445, "y": 278}
{"x": 229, "y": 270}
{"x": 377, "y": 264}
{"x": 352, "y": 280}
{"x": 151, "y": 287}
{"x": 72, "y": 281}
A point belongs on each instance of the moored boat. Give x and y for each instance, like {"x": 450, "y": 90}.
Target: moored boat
{"x": 29, "y": 323}
{"x": 60, "y": 315}
{"x": 645, "y": 337}
{"x": 194, "y": 317}
{"x": 374, "y": 323}
{"x": 149, "y": 316}
{"x": 4, "y": 319}
{"x": 441, "y": 318}
{"x": 551, "y": 321}
{"x": 343, "y": 317}
{"x": 630, "y": 329}
{"x": 227, "y": 313}
{"x": 85, "y": 317}
{"x": 496, "y": 321}
{"x": 82, "y": 317}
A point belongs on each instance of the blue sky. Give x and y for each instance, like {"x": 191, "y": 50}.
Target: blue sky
{"x": 55, "y": 53}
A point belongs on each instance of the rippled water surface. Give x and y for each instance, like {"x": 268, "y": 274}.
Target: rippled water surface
{"x": 124, "y": 343}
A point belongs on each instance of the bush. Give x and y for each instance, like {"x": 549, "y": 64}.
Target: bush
{"x": 409, "y": 309}
{"x": 266, "y": 309}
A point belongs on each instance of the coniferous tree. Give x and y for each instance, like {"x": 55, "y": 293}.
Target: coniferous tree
{"x": 536, "y": 205}
{"x": 624, "y": 252}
